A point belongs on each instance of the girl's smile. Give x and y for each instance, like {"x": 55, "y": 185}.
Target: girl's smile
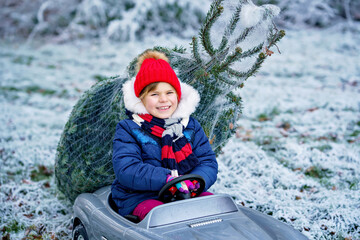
{"x": 162, "y": 101}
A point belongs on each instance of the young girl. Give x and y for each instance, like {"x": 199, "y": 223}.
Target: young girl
{"x": 158, "y": 137}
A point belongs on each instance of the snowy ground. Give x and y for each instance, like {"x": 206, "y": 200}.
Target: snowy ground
{"x": 295, "y": 156}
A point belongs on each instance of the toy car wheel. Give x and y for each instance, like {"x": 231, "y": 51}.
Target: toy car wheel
{"x": 79, "y": 233}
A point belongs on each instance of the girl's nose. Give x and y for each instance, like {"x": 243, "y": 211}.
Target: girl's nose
{"x": 162, "y": 98}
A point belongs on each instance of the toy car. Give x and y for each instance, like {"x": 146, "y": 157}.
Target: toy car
{"x": 209, "y": 217}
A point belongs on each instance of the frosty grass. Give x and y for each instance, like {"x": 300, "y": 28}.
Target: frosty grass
{"x": 295, "y": 155}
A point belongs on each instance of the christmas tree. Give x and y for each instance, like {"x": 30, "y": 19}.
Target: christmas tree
{"x": 232, "y": 43}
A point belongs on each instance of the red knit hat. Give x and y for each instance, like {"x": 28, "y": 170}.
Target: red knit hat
{"x": 153, "y": 66}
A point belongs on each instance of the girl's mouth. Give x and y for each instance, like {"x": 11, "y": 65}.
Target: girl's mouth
{"x": 164, "y": 108}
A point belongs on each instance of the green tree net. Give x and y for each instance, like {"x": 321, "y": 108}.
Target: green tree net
{"x": 232, "y": 43}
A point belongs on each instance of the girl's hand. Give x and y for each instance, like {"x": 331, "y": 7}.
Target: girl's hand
{"x": 181, "y": 186}
{"x": 192, "y": 185}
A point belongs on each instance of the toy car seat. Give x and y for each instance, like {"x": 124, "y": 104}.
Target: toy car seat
{"x": 130, "y": 217}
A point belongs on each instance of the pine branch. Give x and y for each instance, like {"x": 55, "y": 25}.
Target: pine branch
{"x": 239, "y": 55}
{"x": 251, "y": 52}
{"x": 236, "y": 74}
{"x": 256, "y": 66}
{"x": 215, "y": 11}
{"x": 165, "y": 50}
{"x": 227, "y": 80}
{"x": 276, "y": 37}
{"x": 232, "y": 58}
{"x": 195, "y": 50}
{"x": 230, "y": 28}
{"x": 234, "y": 99}
{"x": 244, "y": 34}
{"x": 245, "y": 75}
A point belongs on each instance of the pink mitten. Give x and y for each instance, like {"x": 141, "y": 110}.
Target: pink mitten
{"x": 181, "y": 186}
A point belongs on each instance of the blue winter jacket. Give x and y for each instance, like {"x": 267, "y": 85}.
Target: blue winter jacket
{"x": 137, "y": 163}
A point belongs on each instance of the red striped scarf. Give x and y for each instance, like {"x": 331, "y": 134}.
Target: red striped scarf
{"x": 176, "y": 151}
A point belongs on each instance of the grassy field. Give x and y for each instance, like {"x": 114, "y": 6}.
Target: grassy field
{"x": 295, "y": 154}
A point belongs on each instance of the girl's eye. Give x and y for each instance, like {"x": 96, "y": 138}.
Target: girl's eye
{"x": 153, "y": 94}
{"x": 170, "y": 92}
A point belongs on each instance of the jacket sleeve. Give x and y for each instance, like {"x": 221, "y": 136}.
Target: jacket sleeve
{"x": 208, "y": 167}
{"x": 129, "y": 168}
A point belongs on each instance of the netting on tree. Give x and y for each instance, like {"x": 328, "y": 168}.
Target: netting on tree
{"x": 232, "y": 44}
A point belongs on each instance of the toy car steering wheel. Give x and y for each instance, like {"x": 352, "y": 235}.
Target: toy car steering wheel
{"x": 166, "y": 196}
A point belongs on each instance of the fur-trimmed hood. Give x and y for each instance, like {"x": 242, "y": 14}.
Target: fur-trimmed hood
{"x": 190, "y": 99}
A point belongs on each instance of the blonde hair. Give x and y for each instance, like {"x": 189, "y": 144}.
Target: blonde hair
{"x": 148, "y": 89}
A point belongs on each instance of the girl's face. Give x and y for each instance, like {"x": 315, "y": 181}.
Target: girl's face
{"x": 162, "y": 101}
